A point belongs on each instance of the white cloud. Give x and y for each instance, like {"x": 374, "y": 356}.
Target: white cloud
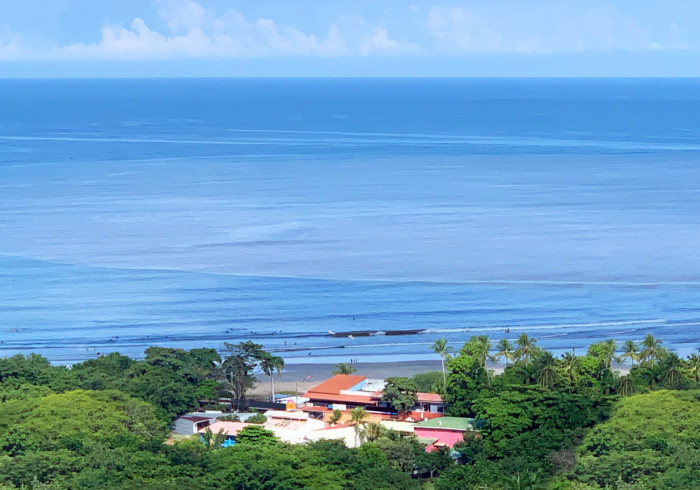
{"x": 189, "y": 29}
{"x": 196, "y": 32}
{"x": 380, "y": 42}
{"x": 536, "y": 28}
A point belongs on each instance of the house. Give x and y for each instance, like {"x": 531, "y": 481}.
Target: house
{"x": 191, "y": 424}
{"x": 345, "y": 392}
{"x": 443, "y": 431}
{"x": 292, "y": 426}
{"x": 429, "y": 404}
{"x": 343, "y": 432}
{"x": 229, "y": 429}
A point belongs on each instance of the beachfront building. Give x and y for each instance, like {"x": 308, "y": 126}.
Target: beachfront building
{"x": 346, "y": 391}
{"x": 293, "y": 426}
{"x": 443, "y": 431}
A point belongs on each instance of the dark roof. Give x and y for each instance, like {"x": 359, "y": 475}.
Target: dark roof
{"x": 195, "y": 418}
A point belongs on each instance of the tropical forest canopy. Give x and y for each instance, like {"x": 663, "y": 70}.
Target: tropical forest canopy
{"x": 566, "y": 422}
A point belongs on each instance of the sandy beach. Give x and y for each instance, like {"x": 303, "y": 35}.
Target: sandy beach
{"x": 297, "y": 378}
{"x": 301, "y": 377}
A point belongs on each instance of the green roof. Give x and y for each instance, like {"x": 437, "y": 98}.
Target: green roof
{"x": 454, "y": 423}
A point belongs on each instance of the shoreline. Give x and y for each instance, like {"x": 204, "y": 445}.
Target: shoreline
{"x": 301, "y": 377}
{"x": 298, "y": 378}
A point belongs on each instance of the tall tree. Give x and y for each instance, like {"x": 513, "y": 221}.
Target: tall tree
{"x": 506, "y": 350}
{"x": 671, "y": 367}
{"x": 526, "y": 348}
{"x": 693, "y": 364}
{"x": 358, "y": 416}
{"x": 237, "y": 369}
{"x": 545, "y": 364}
{"x": 625, "y": 387}
{"x": 570, "y": 364}
{"x": 651, "y": 349}
{"x": 478, "y": 347}
{"x": 605, "y": 351}
{"x": 631, "y": 351}
{"x": 271, "y": 365}
{"x": 440, "y": 347}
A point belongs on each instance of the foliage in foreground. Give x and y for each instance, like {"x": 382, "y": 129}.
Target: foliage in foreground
{"x": 546, "y": 422}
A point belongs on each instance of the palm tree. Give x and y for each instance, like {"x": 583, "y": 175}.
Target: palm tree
{"x": 374, "y": 431}
{"x": 546, "y": 369}
{"x": 506, "y": 350}
{"x": 652, "y": 348}
{"x": 344, "y": 368}
{"x": 335, "y": 418}
{"x": 671, "y": 367}
{"x": 604, "y": 351}
{"x": 529, "y": 480}
{"x": 526, "y": 348}
{"x": 440, "y": 347}
{"x": 625, "y": 386}
{"x": 270, "y": 365}
{"x": 526, "y": 373}
{"x": 358, "y": 416}
{"x": 570, "y": 365}
{"x": 693, "y": 363}
{"x": 651, "y": 374}
{"x": 213, "y": 441}
{"x": 478, "y": 347}
{"x": 630, "y": 351}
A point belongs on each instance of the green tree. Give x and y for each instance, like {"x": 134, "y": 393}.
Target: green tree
{"x": 478, "y": 347}
{"x": 344, "y": 368}
{"x": 649, "y": 439}
{"x": 506, "y": 350}
{"x": 256, "y": 435}
{"x": 693, "y": 364}
{"x": 526, "y": 348}
{"x": 571, "y": 365}
{"x": 335, "y": 418}
{"x": 429, "y": 382}
{"x": 672, "y": 368}
{"x": 651, "y": 349}
{"x": 258, "y": 418}
{"x": 625, "y": 386}
{"x": 214, "y": 441}
{"x": 631, "y": 351}
{"x": 374, "y": 431}
{"x": 236, "y": 370}
{"x": 358, "y": 416}
{"x": 271, "y": 365}
{"x": 400, "y": 393}
{"x": 467, "y": 378}
{"x": 605, "y": 351}
{"x": 545, "y": 364}
{"x": 441, "y": 348}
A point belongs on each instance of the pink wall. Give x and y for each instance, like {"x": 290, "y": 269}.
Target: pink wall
{"x": 445, "y": 436}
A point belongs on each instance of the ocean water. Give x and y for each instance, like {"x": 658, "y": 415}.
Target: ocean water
{"x": 299, "y": 212}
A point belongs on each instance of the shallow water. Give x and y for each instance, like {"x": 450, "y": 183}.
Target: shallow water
{"x": 192, "y": 212}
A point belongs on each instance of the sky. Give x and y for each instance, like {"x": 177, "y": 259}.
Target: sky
{"x": 133, "y": 38}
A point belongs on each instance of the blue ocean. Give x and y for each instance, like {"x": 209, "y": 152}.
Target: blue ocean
{"x": 331, "y": 219}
